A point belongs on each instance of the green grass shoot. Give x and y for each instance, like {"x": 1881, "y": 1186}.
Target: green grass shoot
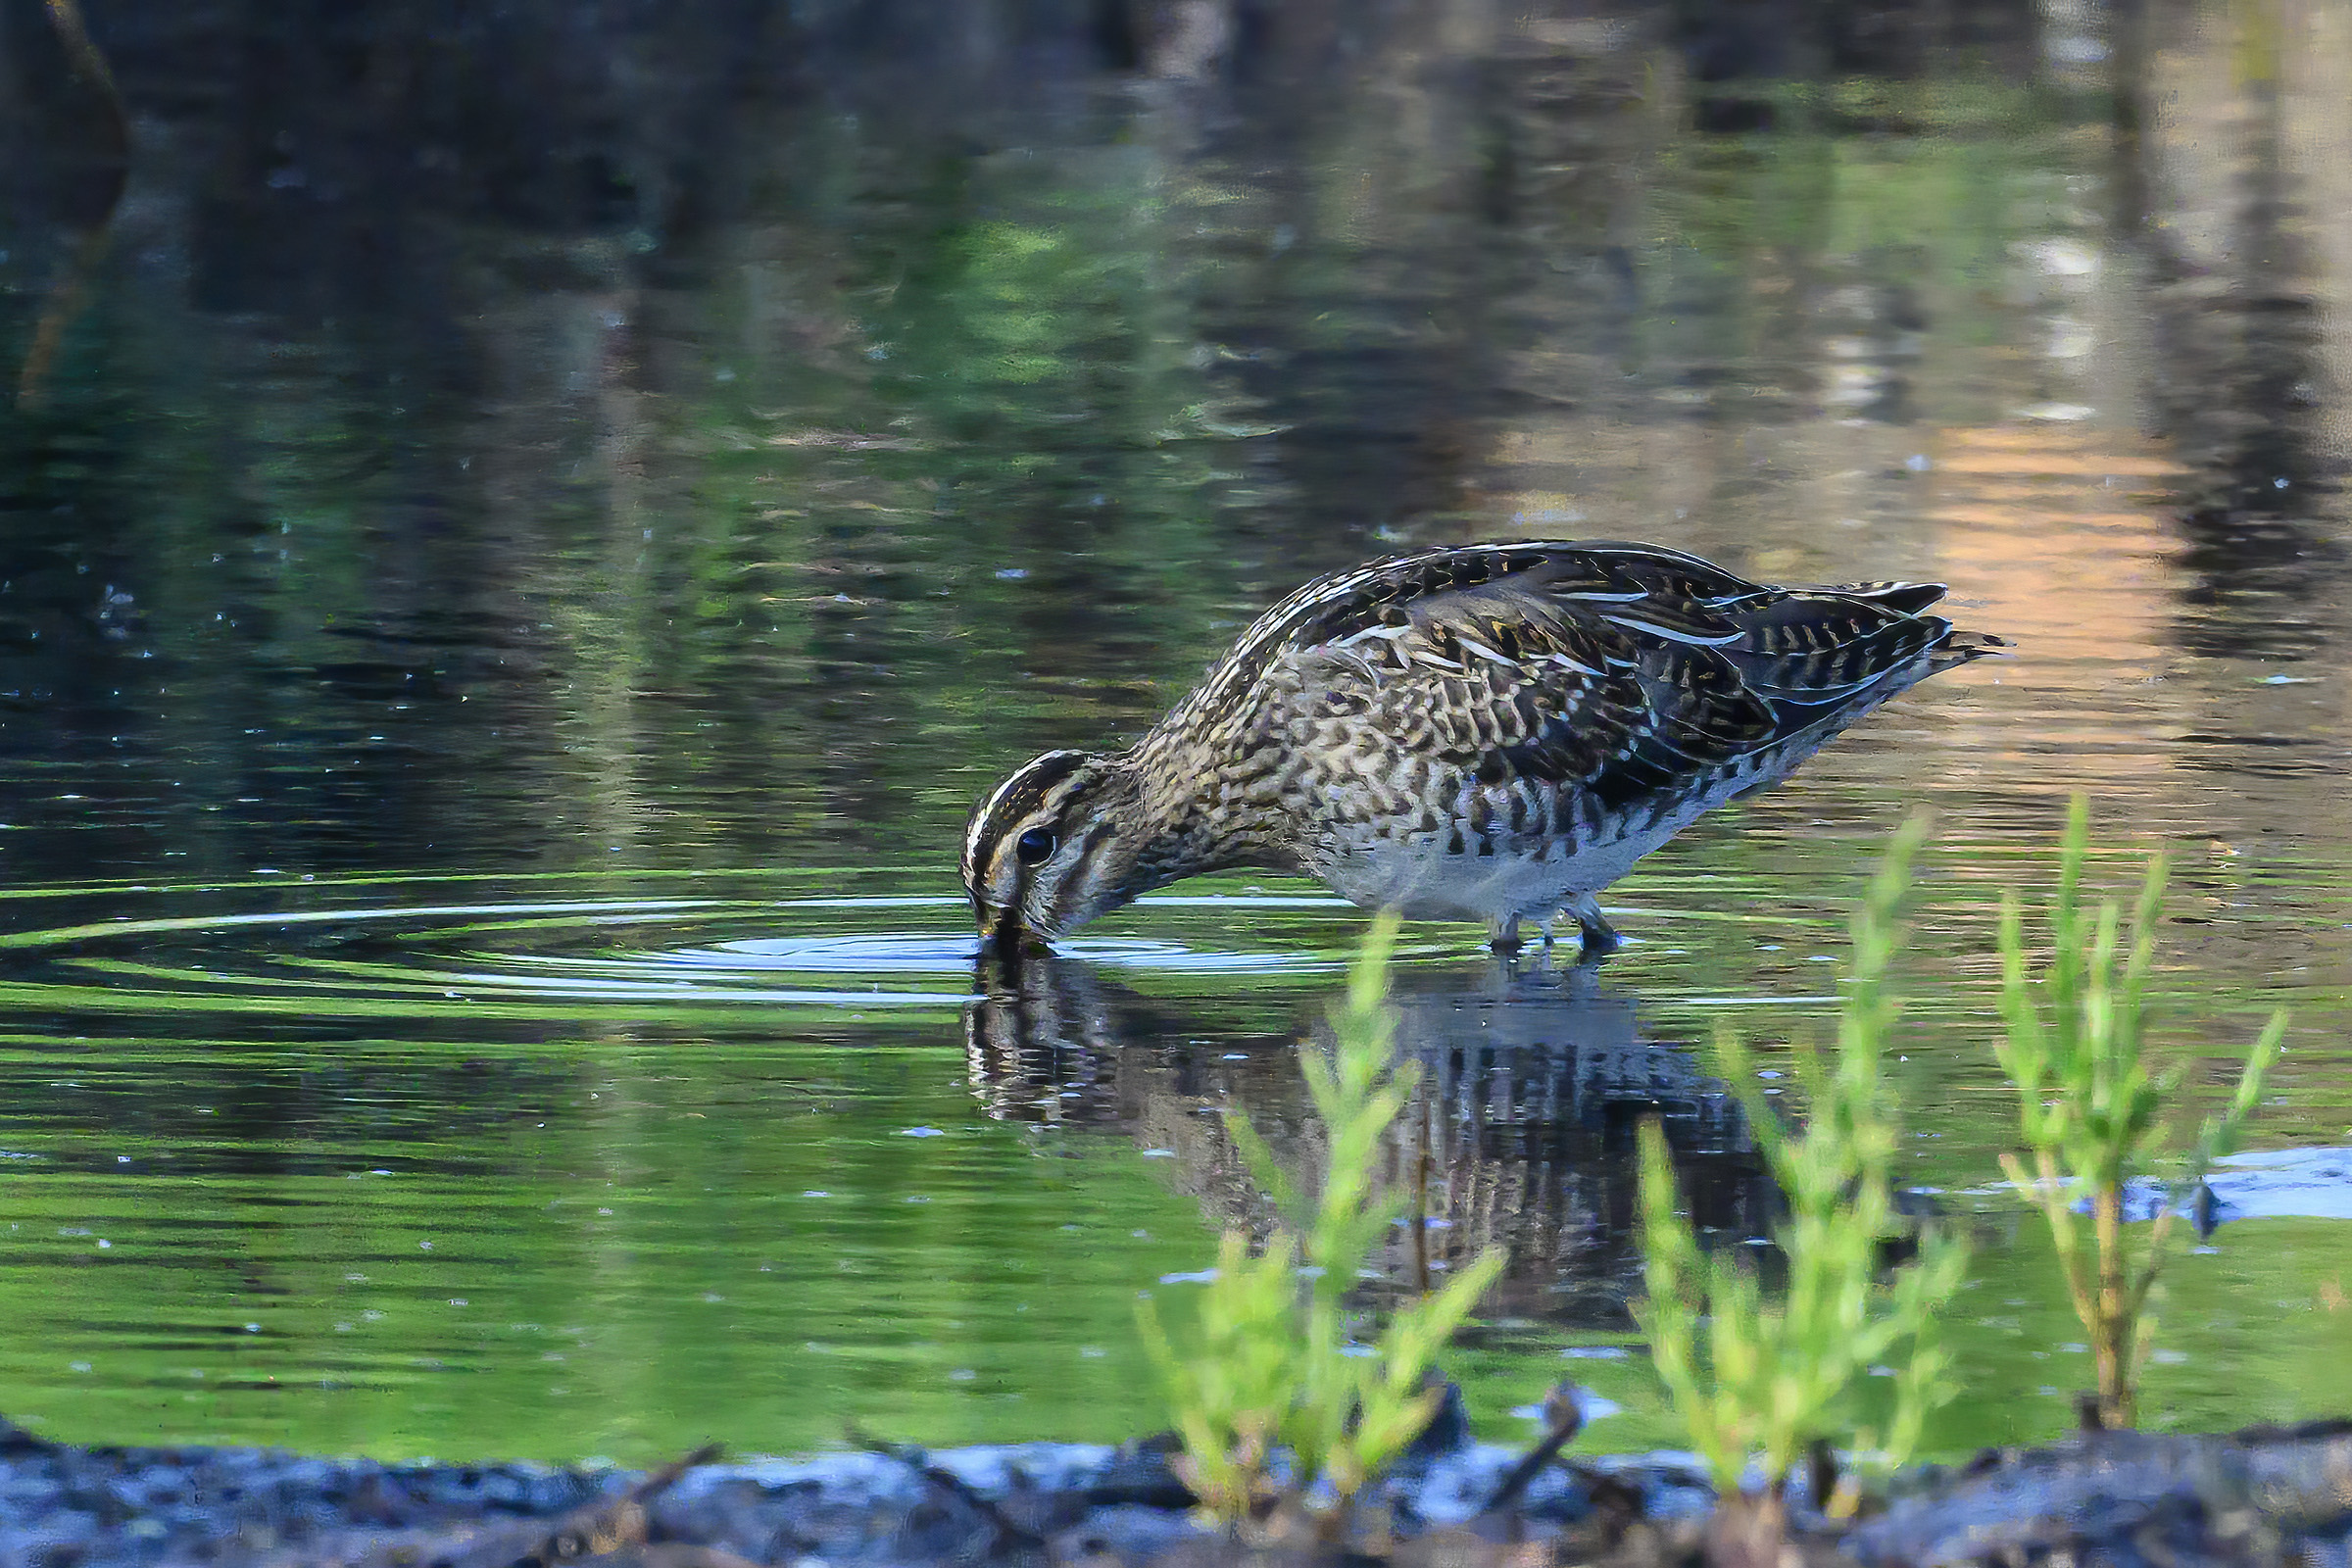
{"x": 1762, "y": 1379}
{"x": 2089, "y": 1109}
{"x": 1271, "y": 1369}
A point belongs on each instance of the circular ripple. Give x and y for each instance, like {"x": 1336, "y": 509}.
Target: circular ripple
{"x": 852, "y": 954}
{"x": 378, "y": 947}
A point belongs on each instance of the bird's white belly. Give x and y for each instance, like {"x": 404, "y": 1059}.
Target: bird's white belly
{"x": 1417, "y": 876}
{"x": 1534, "y": 877}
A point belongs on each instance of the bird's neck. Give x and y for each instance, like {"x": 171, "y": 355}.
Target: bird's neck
{"x": 1197, "y": 813}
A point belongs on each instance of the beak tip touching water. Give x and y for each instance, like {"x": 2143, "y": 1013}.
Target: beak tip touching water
{"x": 1005, "y": 937}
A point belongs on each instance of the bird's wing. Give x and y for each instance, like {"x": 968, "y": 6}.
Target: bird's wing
{"x": 1619, "y": 669}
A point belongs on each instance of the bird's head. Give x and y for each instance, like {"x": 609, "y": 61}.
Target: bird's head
{"x": 1051, "y": 849}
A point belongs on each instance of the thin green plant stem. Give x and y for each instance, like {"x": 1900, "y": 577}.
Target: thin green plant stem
{"x": 2073, "y": 1046}
{"x": 1273, "y": 1371}
{"x": 1763, "y": 1380}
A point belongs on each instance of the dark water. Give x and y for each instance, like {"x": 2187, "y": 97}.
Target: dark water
{"x": 524, "y": 541}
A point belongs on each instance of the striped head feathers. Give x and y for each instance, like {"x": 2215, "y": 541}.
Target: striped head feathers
{"x": 1045, "y": 852}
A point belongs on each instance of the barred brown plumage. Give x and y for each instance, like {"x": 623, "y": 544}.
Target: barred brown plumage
{"x": 1491, "y": 732}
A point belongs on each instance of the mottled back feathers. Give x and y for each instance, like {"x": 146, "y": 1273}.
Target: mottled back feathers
{"x": 1616, "y": 668}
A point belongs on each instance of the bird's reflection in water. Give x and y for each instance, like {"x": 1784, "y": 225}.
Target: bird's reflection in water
{"x": 1521, "y": 1133}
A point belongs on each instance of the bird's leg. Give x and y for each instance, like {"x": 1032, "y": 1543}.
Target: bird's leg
{"x": 1599, "y": 936}
{"x": 1543, "y": 923}
{"x": 1503, "y": 934}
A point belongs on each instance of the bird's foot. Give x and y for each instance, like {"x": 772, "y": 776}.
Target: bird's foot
{"x": 1600, "y": 937}
{"x": 1502, "y": 935}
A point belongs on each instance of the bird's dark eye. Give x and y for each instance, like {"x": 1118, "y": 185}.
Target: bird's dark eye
{"x": 1034, "y": 845}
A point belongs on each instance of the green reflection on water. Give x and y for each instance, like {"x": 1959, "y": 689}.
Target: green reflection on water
{"x": 648, "y": 1243}
{"x": 586, "y": 1222}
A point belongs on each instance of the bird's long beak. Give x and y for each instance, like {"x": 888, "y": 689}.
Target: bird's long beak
{"x": 1007, "y": 938}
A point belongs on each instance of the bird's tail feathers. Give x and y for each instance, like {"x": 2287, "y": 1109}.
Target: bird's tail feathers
{"x": 1962, "y": 646}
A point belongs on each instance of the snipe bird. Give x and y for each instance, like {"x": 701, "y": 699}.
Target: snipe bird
{"x": 1492, "y": 732}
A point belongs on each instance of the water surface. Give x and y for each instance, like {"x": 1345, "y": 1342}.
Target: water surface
{"x": 502, "y": 615}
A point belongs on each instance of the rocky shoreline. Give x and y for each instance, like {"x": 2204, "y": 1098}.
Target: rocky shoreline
{"x": 2267, "y": 1496}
